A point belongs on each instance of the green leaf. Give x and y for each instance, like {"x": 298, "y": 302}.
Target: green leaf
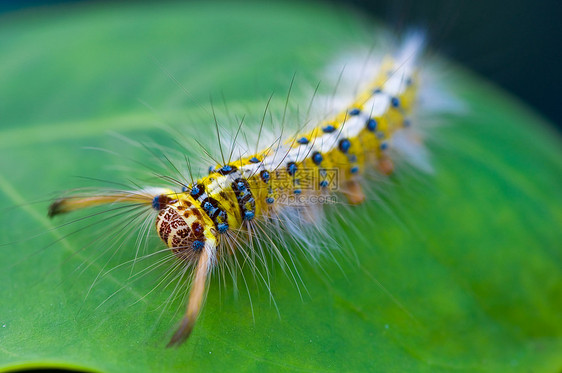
{"x": 458, "y": 271}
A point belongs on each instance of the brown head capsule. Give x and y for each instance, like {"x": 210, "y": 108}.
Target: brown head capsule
{"x": 184, "y": 226}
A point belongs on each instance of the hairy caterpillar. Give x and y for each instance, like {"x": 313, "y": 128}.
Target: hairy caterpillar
{"x": 248, "y": 197}
{"x": 471, "y": 252}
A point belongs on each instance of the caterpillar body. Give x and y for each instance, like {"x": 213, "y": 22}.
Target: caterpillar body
{"x": 209, "y": 220}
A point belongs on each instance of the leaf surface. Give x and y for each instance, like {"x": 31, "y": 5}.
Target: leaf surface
{"x": 458, "y": 271}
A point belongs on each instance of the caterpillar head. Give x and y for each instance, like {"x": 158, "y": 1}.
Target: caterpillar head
{"x": 185, "y": 228}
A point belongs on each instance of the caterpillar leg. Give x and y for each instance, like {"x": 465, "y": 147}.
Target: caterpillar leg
{"x": 385, "y": 166}
{"x": 354, "y": 192}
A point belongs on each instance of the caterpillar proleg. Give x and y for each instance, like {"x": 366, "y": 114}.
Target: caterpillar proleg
{"x": 249, "y": 194}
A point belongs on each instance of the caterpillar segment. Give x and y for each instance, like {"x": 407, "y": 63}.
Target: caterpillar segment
{"x": 197, "y": 220}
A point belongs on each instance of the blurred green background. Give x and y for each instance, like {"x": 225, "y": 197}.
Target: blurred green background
{"x": 469, "y": 258}
{"x": 515, "y": 44}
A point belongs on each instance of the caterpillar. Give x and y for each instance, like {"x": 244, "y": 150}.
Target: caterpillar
{"x": 235, "y": 207}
